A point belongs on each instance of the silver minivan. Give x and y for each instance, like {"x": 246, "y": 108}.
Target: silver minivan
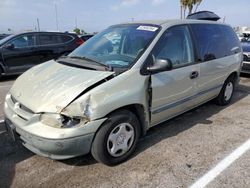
{"x": 107, "y": 93}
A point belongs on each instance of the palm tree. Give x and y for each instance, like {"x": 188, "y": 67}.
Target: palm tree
{"x": 189, "y": 4}
{"x": 197, "y": 3}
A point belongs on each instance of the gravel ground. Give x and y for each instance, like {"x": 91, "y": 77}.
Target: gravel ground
{"x": 173, "y": 154}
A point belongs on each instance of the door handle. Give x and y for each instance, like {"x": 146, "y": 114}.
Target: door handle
{"x": 194, "y": 74}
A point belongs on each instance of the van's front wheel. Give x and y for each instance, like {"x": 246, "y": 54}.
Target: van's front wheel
{"x": 226, "y": 93}
{"x": 116, "y": 139}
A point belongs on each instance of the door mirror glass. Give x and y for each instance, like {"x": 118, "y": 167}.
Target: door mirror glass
{"x": 9, "y": 46}
{"x": 160, "y": 65}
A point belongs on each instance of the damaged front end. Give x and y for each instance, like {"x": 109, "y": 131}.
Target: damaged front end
{"x": 75, "y": 114}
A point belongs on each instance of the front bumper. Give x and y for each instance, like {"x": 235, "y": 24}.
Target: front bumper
{"x": 55, "y": 143}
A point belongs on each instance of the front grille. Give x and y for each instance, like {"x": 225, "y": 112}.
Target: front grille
{"x": 18, "y": 110}
{"x": 246, "y": 66}
{"x": 21, "y": 105}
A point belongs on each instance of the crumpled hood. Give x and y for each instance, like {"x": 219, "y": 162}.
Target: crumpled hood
{"x": 51, "y": 86}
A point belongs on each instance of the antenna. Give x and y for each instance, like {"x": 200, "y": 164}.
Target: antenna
{"x": 57, "y": 27}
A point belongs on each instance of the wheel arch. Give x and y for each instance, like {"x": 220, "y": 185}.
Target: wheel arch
{"x": 235, "y": 76}
{"x": 141, "y": 113}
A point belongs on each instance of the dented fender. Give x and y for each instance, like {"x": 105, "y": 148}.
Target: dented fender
{"x": 113, "y": 94}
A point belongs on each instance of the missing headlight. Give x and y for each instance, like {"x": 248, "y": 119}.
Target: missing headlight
{"x": 59, "y": 121}
{"x": 68, "y": 122}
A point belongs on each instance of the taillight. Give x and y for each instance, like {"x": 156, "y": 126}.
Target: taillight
{"x": 79, "y": 41}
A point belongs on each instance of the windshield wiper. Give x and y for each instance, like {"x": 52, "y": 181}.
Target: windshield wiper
{"x": 92, "y": 60}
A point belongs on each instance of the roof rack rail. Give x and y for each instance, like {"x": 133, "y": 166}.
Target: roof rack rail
{"x": 204, "y": 15}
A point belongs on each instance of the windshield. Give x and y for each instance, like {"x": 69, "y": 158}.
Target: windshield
{"x": 117, "y": 46}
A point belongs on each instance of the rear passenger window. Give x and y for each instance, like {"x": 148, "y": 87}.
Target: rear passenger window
{"x": 210, "y": 41}
{"x": 215, "y": 41}
{"x": 50, "y": 39}
{"x": 46, "y": 39}
{"x": 175, "y": 45}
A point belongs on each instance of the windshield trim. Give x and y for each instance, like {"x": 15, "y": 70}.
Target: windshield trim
{"x": 90, "y": 59}
{"x": 75, "y": 63}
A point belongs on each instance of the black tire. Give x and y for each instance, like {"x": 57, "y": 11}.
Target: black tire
{"x": 222, "y": 100}
{"x": 100, "y": 146}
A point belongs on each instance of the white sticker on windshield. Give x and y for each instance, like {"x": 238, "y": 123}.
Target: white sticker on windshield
{"x": 147, "y": 28}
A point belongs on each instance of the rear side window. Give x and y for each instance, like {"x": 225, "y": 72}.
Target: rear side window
{"x": 214, "y": 41}
{"x": 233, "y": 43}
{"x": 210, "y": 41}
{"x": 50, "y": 39}
{"x": 66, "y": 38}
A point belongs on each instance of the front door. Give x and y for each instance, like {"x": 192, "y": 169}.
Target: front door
{"x": 21, "y": 56}
{"x": 174, "y": 90}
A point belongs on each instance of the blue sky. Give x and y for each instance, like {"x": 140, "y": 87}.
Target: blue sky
{"x": 96, "y": 15}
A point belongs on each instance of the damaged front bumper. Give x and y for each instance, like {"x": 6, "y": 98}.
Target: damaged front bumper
{"x": 44, "y": 140}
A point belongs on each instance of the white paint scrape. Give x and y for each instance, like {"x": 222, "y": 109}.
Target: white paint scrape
{"x": 213, "y": 173}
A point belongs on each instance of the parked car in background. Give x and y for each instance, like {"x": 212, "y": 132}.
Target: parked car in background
{"x": 22, "y": 51}
{"x": 2, "y": 36}
{"x": 246, "y": 56}
{"x": 85, "y": 37}
{"x": 102, "y": 99}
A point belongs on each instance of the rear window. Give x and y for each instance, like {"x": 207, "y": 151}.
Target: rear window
{"x": 215, "y": 41}
{"x": 50, "y": 39}
{"x": 66, "y": 38}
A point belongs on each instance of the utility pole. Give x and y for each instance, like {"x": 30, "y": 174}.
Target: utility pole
{"x": 38, "y": 24}
{"x": 181, "y": 11}
{"x": 76, "y": 22}
{"x": 57, "y": 27}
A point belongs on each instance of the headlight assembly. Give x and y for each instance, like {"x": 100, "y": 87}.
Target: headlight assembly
{"x": 59, "y": 121}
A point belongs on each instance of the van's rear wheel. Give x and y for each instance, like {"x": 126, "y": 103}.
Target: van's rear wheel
{"x": 226, "y": 93}
{"x": 117, "y": 138}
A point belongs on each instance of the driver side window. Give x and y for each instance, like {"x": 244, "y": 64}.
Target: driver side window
{"x": 23, "y": 41}
{"x": 175, "y": 45}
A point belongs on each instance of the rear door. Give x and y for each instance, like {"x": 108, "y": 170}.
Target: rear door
{"x": 53, "y": 45}
{"x": 215, "y": 49}
{"x": 173, "y": 91}
{"x": 22, "y": 56}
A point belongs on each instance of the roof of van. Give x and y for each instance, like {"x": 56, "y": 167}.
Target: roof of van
{"x": 171, "y": 21}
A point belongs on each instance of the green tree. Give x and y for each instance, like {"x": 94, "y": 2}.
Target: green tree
{"x": 189, "y": 4}
{"x": 77, "y": 31}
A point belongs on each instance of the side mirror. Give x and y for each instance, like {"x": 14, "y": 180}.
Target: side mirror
{"x": 160, "y": 65}
{"x": 9, "y": 46}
